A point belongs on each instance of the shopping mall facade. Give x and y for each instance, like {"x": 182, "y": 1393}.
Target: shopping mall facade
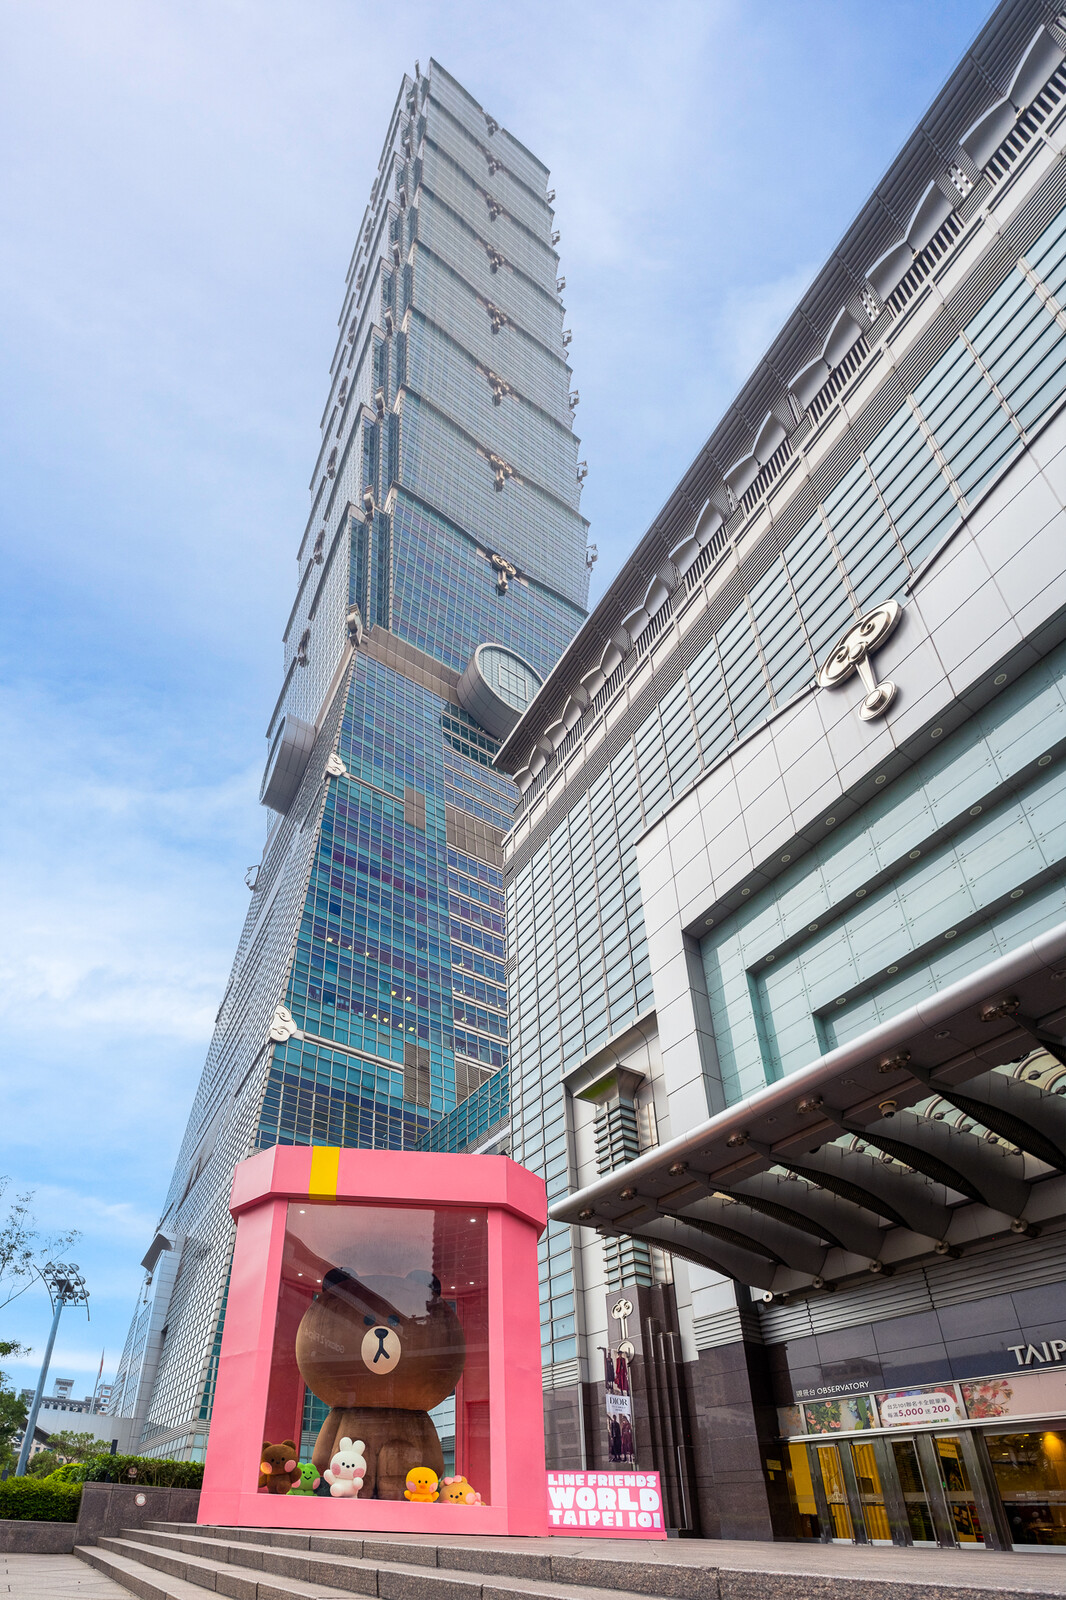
{"x": 787, "y": 901}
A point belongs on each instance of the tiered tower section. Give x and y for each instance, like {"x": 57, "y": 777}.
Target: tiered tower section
{"x": 441, "y": 574}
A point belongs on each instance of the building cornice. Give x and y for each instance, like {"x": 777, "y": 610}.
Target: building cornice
{"x": 1009, "y": 57}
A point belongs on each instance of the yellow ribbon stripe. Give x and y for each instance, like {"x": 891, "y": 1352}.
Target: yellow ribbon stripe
{"x": 324, "y": 1164}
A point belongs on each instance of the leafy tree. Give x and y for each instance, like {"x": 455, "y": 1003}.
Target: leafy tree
{"x": 12, "y": 1409}
{"x": 23, "y": 1248}
{"x": 44, "y": 1462}
{"x": 70, "y": 1446}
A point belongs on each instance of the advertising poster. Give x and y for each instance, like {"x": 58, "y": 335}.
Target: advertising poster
{"x": 1030, "y": 1394}
{"x": 618, "y": 1398}
{"x": 917, "y": 1408}
{"x": 846, "y": 1415}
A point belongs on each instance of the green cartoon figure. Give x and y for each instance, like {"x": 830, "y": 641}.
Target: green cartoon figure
{"x": 309, "y": 1479}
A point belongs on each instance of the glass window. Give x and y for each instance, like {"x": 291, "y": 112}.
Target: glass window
{"x": 914, "y": 1493}
{"x": 801, "y": 1492}
{"x": 1030, "y": 1471}
{"x": 871, "y": 1495}
{"x": 956, "y": 1483}
{"x": 835, "y": 1494}
{"x": 382, "y": 1319}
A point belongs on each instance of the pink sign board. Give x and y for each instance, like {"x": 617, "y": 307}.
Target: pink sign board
{"x": 613, "y": 1505}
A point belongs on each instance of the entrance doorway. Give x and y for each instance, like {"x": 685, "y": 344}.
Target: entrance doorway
{"x": 1030, "y": 1474}
{"x": 955, "y": 1480}
{"x": 924, "y": 1489}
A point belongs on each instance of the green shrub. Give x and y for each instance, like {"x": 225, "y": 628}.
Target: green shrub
{"x": 37, "y": 1500}
{"x": 139, "y": 1470}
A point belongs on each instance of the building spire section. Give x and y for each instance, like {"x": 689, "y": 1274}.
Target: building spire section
{"x": 441, "y": 574}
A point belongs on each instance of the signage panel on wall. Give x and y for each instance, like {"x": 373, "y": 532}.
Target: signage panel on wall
{"x": 618, "y": 1399}
{"x": 1030, "y": 1394}
{"x": 916, "y": 1408}
{"x": 841, "y": 1416}
{"x": 616, "y": 1505}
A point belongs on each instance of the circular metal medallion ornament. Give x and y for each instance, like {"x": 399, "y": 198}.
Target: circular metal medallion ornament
{"x": 852, "y": 654}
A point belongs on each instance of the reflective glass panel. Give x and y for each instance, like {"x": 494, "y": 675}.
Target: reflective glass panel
{"x": 956, "y": 1482}
{"x": 914, "y": 1494}
{"x": 801, "y": 1492}
{"x": 379, "y": 1372}
{"x": 836, "y": 1494}
{"x": 1030, "y": 1471}
{"x": 871, "y": 1496}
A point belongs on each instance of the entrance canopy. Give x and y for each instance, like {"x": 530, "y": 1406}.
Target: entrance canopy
{"x": 943, "y": 1125}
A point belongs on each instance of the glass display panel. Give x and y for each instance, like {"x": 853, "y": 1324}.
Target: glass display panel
{"x": 1030, "y": 1471}
{"x": 379, "y": 1368}
{"x": 956, "y": 1481}
{"x": 801, "y": 1492}
{"x": 871, "y": 1495}
{"x": 836, "y": 1494}
{"x": 912, "y": 1487}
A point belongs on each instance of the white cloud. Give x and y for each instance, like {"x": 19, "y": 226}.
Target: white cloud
{"x": 125, "y": 879}
{"x": 94, "y": 1217}
{"x": 752, "y": 316}
{"x": 67, "y": 1361}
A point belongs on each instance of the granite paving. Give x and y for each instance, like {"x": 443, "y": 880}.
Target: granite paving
{"x": 55, "y": 1578}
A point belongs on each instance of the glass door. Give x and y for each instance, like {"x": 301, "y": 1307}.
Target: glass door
{"x": 1030, "y": 1473}
{"x": 962, "y": 1506}
{"x": 801, "y": 1493}
{"x": 836, "y": 1494}
{"x": 870, "y": 1494}
{"x": 914, "y": 1493}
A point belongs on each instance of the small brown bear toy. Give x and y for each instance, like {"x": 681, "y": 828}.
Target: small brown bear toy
{"x": 279, "y": 1470}
{"x": 382, "y": 1352}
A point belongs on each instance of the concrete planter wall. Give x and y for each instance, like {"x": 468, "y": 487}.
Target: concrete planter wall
{"x": 18, "y": 1537}
{"x": 107, "y": 1508}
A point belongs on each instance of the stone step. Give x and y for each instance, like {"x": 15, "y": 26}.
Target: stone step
{"x": 283, "y": 1564}
{"x": 620, "y": 1575}
{"x": 172, "y": 1567}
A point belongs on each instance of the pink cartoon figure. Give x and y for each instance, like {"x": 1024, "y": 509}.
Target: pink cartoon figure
{"x": 347, "y": 1469}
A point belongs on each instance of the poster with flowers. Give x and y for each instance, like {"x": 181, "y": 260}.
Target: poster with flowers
{"x": 1029, "y": 1394}
{"x": 990, "y": 1397}
{"x": 841, "y": 1416}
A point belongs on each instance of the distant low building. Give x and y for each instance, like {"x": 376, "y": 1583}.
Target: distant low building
{"x": 60, "y": 1413}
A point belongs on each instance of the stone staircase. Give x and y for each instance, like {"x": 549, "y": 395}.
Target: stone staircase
{"x": 180, "y": 1561}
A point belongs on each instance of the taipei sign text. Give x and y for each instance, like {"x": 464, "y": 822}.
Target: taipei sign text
{"x": 614, "y": 1504}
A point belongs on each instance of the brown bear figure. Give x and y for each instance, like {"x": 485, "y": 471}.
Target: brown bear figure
{"x": 382, "y": 1352}
{"x": 279, "y": 1470}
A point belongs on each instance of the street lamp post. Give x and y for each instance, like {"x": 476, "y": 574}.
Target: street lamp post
{"x": 66, "y": 1287}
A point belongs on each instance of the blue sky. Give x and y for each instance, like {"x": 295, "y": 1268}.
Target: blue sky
{"x": 180, "y": 191}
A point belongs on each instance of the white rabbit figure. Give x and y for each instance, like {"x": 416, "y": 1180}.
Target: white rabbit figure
{"x": 347, "y": 1469}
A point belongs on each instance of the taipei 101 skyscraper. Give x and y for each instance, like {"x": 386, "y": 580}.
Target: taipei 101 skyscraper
{"x": 442, "y": 571}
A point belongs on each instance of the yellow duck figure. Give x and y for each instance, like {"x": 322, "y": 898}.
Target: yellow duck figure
{"x": 421, "y": 1485}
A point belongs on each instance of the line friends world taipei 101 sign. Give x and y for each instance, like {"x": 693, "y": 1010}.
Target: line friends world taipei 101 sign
{"x": 614, "y": 1505}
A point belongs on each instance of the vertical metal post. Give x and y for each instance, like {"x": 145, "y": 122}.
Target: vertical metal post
{"x": 31, "y": 1420}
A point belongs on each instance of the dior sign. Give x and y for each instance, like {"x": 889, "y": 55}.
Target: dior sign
{"x": 852, "y": 654}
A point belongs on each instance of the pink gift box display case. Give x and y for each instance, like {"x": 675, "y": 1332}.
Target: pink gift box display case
{"x": 382, "y": 1313}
